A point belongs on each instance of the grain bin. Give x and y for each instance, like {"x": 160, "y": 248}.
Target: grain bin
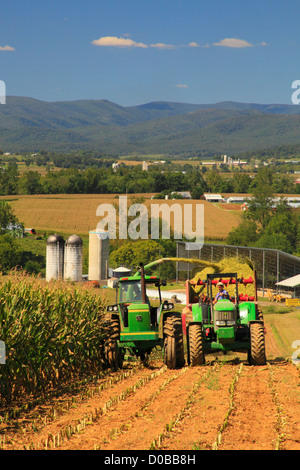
{"x": 55, "y": 257}
{"x": 98, "y": 255}
{"x": 73, "y": 258}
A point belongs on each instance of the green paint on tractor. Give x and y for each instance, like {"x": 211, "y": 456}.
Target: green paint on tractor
{"x": 136, "y": 326}
{"x": 227, "y": 325}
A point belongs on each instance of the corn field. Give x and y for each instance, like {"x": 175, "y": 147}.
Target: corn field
{"x": 53, "y": 333}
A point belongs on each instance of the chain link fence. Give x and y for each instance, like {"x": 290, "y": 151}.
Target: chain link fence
{"x": 272, "y": 266}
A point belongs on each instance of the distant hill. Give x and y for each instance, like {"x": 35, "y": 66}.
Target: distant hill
{"x": 27, "y": 124}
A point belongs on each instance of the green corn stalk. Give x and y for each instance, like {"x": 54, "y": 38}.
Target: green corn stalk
{"x": 53, "y": 333}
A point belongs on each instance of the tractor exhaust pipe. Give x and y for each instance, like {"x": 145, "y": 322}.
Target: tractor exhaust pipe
{"x": 143, "y": 284}
{"x": 255, "y": 284}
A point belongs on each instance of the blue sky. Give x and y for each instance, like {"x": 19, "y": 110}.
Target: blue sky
{"x": 136, "y": 51}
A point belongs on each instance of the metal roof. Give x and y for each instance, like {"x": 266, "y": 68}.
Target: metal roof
{"x": 293, "y": 281}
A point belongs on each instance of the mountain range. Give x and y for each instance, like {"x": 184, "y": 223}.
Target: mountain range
{"x": 28, "y": 124}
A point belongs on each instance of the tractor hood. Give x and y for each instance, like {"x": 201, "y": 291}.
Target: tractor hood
{"x": 224, "y": 304}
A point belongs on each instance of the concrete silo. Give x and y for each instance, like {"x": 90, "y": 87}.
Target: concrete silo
{"x": 98, "y": 255}
{"x": 55, "y": 257}
{"x": 73, "y": 258}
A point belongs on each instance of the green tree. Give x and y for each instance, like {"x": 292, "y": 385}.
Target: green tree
{"x": 241, "y": 183}
{"x": 10, "y": 253}
{"x": 122, "y": 256}
{"x": 276, "y": 241}
{"x": 281, "y": 232}
{"x": 9, "y": 179}
{"x": 30, "y": 183}
{"x": 131, "y": 254}
{"x": 7, "y": 217}
{"x": 245, "y": 234}
{"x": 260, "y": 206}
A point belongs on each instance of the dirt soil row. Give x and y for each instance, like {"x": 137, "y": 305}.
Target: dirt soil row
{"x": 225, "y": 404}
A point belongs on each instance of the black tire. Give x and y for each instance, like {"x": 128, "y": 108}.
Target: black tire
{"x": 173, "y": 342}
{"x": 113, "y": 355}
{"x": 257, "y": 354}
{"x": 195, "y": 342}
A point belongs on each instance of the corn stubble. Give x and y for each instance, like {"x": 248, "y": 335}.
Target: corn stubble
{"x": 53, "y": 333}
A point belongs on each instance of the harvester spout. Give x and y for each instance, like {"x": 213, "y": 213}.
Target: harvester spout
{"x": 143, "y": 284}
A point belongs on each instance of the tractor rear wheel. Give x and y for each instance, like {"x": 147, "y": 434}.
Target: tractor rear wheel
{"x": 195, "y": 341}
{"x": 112, "y": 352}
{"x": 257, "y": 355}
{"x": 173, "y": 342}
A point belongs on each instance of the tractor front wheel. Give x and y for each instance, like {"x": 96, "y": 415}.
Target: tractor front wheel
{"x": 173, "y": 342}
{"x": 195, "y": 342}
{"x": 257, "y": 355}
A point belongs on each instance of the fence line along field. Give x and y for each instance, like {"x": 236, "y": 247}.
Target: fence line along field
{"x": 77, "y": 213}
{"x": 57, "y": 392}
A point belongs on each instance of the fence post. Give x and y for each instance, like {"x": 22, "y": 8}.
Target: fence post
{"x": 177, "y": 263}
{"x": 263, "y": 279}
{"x": 277, "y": 268}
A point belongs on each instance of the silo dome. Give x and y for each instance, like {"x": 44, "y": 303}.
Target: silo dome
{"x": 74, "y": 240}
{"x": 54, "y": 239}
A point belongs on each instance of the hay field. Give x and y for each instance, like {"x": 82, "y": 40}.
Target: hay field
{"x": 76, "y": 213}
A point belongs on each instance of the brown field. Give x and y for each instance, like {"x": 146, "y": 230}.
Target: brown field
{"x": 77, "y": 213}
{"x": 224, "y": 405}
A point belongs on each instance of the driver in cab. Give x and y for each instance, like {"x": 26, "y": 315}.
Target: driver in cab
{"x": 222, "y": 294}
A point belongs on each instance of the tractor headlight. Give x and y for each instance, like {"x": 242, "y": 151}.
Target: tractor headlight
{"x": 112, "y": 308}
{"x": 167, "y": 306}
{"x": 225, "y": 322}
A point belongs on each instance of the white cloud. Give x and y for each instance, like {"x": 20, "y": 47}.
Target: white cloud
{"x": 113, "y": 41}
{"x": 7, "y": 48}
{"x": 181, "y": 86}
{"x": 161, "y": 45}
{"x": 126, "y": 42}
{"x": 233, "y": 42}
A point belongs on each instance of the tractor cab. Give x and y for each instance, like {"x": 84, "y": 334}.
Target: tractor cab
{"x": 133, "y": 297}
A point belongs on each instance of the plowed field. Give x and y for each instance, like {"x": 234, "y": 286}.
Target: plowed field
{"x": 225, "y": 404}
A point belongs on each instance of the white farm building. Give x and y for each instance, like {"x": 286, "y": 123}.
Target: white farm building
{"x": 211, "y": 197}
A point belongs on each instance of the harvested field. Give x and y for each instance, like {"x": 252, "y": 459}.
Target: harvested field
{"x": 225, "y": 404}
{"x": 77, "y": 213}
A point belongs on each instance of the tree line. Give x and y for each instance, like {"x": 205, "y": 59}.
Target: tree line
{"x": 158, "y": 179}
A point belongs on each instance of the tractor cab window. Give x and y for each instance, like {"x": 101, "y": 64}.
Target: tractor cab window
{"x": 130, "y": 291}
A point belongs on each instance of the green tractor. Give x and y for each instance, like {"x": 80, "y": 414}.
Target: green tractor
{"x": 228, "y": 325}
{"x": 136, "y": 327}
